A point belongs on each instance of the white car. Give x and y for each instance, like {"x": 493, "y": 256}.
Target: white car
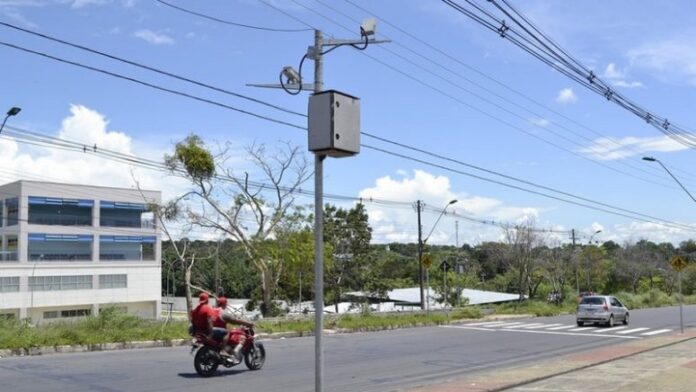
{"x": 603, "y": 309}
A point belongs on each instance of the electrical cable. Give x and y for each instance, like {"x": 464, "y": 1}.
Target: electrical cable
{"x": 299, "y": 127}
{"x": 227, "y": 22}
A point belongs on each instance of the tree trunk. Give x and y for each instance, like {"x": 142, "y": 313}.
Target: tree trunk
{"x": 266, "y": 287}
{"x": 187, "y": 285}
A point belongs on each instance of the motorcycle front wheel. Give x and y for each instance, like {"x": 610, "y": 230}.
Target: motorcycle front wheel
{"x": 255, "y": 357}
{"x": 205, "y": 362}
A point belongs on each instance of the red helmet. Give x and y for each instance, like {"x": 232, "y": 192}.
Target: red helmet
{"x": 203, "y": 298}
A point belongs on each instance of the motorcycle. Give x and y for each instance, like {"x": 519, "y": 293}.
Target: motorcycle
{"x": 207, "y": 358}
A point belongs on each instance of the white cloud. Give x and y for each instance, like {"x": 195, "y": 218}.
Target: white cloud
{"x": 566, "y": 96}
{"x": 672, "y": 60}
{"x": 618, "y": 77}
{"x": 608, "y": 149}
{"x": 400, "y": 223}
{"x": 21, "y": 161}
{"x": 540, "y": 122}
{"x": 76, "y": 4}
{"x": 20, "y": 18}
{"x": 154, "y": 38}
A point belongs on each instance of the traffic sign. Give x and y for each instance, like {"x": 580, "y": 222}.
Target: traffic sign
{"x": 678, "y": 263}
{"x": 427, "y": 261}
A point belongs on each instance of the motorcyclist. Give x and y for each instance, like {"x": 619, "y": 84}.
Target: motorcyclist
{"x": 237, "y": 336}
{"x": 202, "y": 317}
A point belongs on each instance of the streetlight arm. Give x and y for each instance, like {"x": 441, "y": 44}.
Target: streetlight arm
{"x": 438, "y": 220}
{"x": 675, "y": 179}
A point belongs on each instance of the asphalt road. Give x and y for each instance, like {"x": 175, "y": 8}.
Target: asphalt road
{"x": 379, "y": 361}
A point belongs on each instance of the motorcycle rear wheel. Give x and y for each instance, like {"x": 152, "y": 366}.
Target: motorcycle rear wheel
{"x": 205, "y": 362}
{"x": 255, "y": 357}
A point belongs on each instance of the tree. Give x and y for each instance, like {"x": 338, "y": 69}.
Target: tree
{"x": 348, "y": 233}
{"x": 246, "y": 211}
{"x": 522, "y": 254}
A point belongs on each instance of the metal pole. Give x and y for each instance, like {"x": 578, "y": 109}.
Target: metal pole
{"x": 444, "y": 284}
{"x": 318, "y": 230}
{"x": 427, "y": 283}
{"x": 419, "y": 206}
{"x": 681, "y": 301}
{"x": 299, "y": 296}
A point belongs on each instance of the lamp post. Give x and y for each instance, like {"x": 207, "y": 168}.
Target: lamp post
{"x": 592, "y": 236}
{"x": 12, "y": 112}
{"x": 422, "y": 245}
{"x": 651, "y": 159}
{"x": 323, "y": 142}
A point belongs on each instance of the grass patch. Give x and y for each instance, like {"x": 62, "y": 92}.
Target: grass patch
{"x": 535, "y": 307}
{"x": 110, "y": 326}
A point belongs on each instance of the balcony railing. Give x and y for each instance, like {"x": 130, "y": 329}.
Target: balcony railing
{"x": 60, "y": 257}
{"x": 59, "y": 220}
{"x": 130, "y": 223}
{"x": 8, "y": 256}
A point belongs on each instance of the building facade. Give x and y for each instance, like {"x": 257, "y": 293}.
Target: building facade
{"x": 68, "y": 251}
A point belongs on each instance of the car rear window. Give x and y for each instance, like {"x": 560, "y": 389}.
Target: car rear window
{"x": 592, "y": 301}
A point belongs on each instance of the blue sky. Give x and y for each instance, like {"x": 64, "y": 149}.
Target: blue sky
{"x": 551, "y": 131}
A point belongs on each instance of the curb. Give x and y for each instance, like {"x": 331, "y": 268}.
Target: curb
{"x": 83, "y": 348}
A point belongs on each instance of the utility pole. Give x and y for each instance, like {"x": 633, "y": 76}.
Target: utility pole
{"x": 456, "y": 231}
{"x": 419, "y": 208}
{"x": 577, "y": 281}
{"x": 323, "y": 121}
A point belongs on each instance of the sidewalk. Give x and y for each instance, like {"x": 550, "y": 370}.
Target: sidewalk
{"x": 662, "y": 364}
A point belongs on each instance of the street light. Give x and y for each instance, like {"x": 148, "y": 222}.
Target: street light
{"x": 592, "y": 236}
{"x": 651, "y": 159}
{"x": 12, "y": 112}
{"x": 422, "y": 245}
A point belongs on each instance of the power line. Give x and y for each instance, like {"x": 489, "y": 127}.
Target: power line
{"x": 548, "y": 52}
{"x": 491, "y": 79}
{"x": 86, "y": 148}
{"x": 491, "y": 116}
{"x": 227, "y": 22}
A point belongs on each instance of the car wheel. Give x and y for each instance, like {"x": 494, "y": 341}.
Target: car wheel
{"x": 610, "y": 323}
{"x": 580, "y": 323}
{"x": 625, "y": 321}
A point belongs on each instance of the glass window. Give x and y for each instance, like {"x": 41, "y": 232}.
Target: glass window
{"x": 50, "y": 315}
{"x": 125, "y": 214}
{"x": 57, "y": 211}
{"x": 10, "y": 252}
{"x": 2, "y": 212}
{"x": 60, "y": 247}
{"x": 127, "y": 248}
{"x": 592, "y": 301}
{"x": 75, "y": 313}
{"x": 59, "y": 283}
{"x": 113, "y": 281}
{"x": 12, "y": 211}
{"x": 9, "y": 284}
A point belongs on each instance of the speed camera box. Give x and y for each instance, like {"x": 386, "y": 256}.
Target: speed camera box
{"x": 334, "y": 124}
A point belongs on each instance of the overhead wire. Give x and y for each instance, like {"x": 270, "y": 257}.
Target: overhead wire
{"x": 497, "y": 82}
{"x": 449, "y": 81}
{"x": 294, "y": 125}
{"x": 583, "y": 76}
{"x": 227, "y": 22}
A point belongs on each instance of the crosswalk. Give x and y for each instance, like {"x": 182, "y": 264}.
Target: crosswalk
{"x": 622, "y": 331}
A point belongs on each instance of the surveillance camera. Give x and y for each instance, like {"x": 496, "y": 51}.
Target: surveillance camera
{"x": 368, "y": 27}
{"x": 292, "y": 75}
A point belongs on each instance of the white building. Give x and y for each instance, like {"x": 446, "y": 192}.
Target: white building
{"x": 69, "y": 250}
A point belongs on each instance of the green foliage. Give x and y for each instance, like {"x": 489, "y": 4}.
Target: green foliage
{"x": 110, "y": 326}
{"x": 192, "y": 156}
{"x": 535, "y": 307}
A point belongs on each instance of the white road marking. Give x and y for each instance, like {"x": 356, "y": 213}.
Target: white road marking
{"x": 508, "y": 325}
{"x": 582, "y": 329}
{"x": 541, "y": 332}
{"x": 525, "y": 325}
{"x": 655, "y": 332}
{"x": 633, "y": 330}
{"x": 542, "y": 326}
{"x": 486, "y": 323}
{"x": 611, "y": 329}
{"x": 563, "y": 327}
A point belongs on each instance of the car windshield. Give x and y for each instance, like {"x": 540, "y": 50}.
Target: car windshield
{"x": 592, "y": 301}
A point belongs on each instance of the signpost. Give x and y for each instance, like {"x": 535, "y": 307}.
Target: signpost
{"x": 679, "y": 263}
